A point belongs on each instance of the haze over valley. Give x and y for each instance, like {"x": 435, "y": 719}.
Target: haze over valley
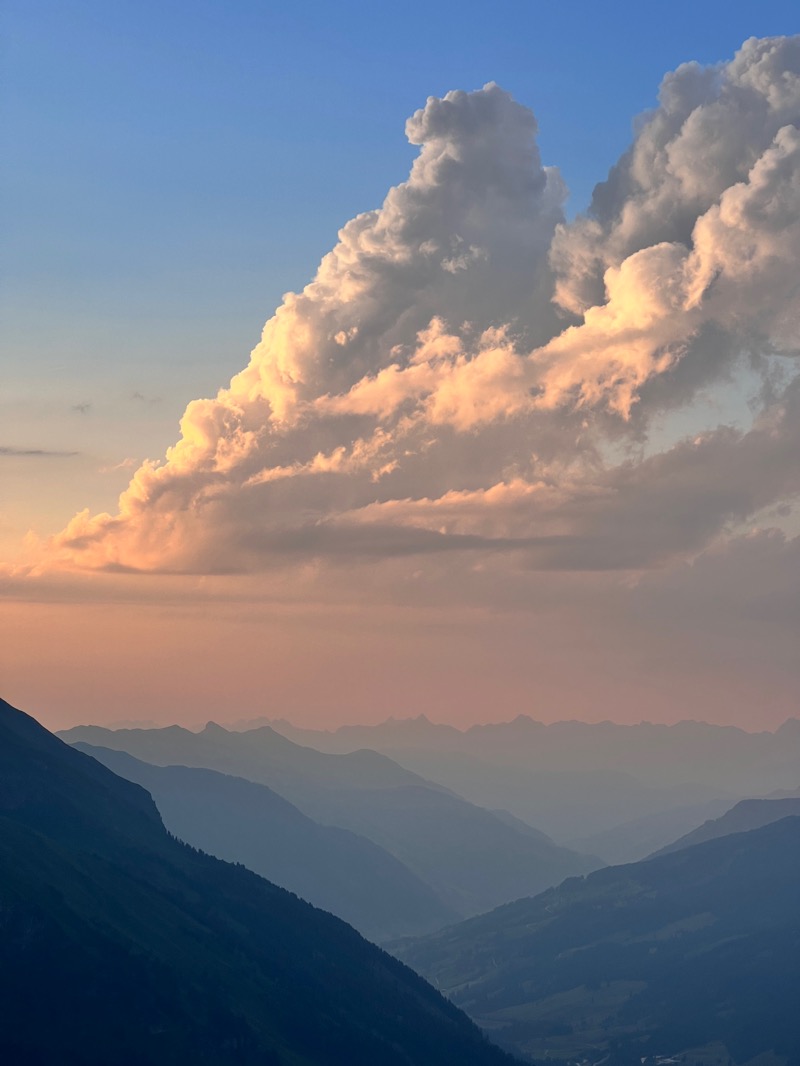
{"x": 690, "y": 952}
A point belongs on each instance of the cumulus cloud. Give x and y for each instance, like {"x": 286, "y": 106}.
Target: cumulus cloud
{"x": 464, "y": 373}
{"x": 695, "y": 228}
{"x": 712, "y": 126}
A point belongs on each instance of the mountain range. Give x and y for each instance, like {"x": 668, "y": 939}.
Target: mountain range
{"x": 616, "y": 791}
{"x": 745, "y": 815}
{"x": 724, "y": 756}
{"x": 241, "y": 821}
{"x": 119, "y": 943}
{"x": 116, "y": 932}
{"x": 472, "y": 858}
{"x": 688, "y": 957}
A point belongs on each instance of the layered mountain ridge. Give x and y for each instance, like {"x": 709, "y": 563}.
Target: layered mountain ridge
{"x": 688, "y": 957}
{"x": 616, "y": 791}
{"x": 744, "y": 816}
{"x": 120, "y": 943}
{"x": 240, "y": 821}
{"x": 471, "y": 858}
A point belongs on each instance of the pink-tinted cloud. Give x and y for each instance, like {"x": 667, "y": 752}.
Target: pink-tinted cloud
{"x": 461, "y": 375}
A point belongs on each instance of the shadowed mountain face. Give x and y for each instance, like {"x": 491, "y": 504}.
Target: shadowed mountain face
{"x": 244, "y": 822}
{"x": 120, "y": 944}
{"x": 747, "y": 815}
{"x": 471, "y": 858}
{"x": 694, "y": 953}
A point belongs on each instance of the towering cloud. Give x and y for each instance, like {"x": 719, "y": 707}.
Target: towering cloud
{"x": 467, "y": 370}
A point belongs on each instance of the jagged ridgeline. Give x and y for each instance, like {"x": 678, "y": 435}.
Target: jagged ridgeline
{"x": 119, "y": 944}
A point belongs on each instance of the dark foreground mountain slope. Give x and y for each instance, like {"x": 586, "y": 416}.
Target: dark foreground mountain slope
{"x": 119, "y": 944}
{"x": 467, "y": 855}
{"x": 746, "y": 815}
{"x": 332, "y": 868}
{"x": 694, "y": 954}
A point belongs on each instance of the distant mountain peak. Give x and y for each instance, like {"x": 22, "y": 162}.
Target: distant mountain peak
{"x": 213, "y": 729}
{"x": 410, "y": 719}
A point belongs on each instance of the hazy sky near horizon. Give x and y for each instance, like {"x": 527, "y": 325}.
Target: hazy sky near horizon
{"x": 491, "y": 454}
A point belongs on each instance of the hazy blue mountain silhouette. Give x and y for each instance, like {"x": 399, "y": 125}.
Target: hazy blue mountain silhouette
{"x": 122, "y": 945}
{"x": 471, "y": 858}
{"x": 639, "y": 837}
{"x": 582, "y": 782}
{"x": 722, "y": 757}
{"x": 241, "y": 821}
{"x": 690, "y": 954}
{"x": 746, "y": 815}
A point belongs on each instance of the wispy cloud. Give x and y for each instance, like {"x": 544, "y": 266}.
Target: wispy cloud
{"x": 124, "y": 464}
{"x": 36, "y": 453}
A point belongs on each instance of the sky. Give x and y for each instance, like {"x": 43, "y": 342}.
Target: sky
{"x": 520, "y": 434}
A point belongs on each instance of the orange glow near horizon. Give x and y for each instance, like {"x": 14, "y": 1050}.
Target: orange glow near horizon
{"x": 105, "y": 663}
